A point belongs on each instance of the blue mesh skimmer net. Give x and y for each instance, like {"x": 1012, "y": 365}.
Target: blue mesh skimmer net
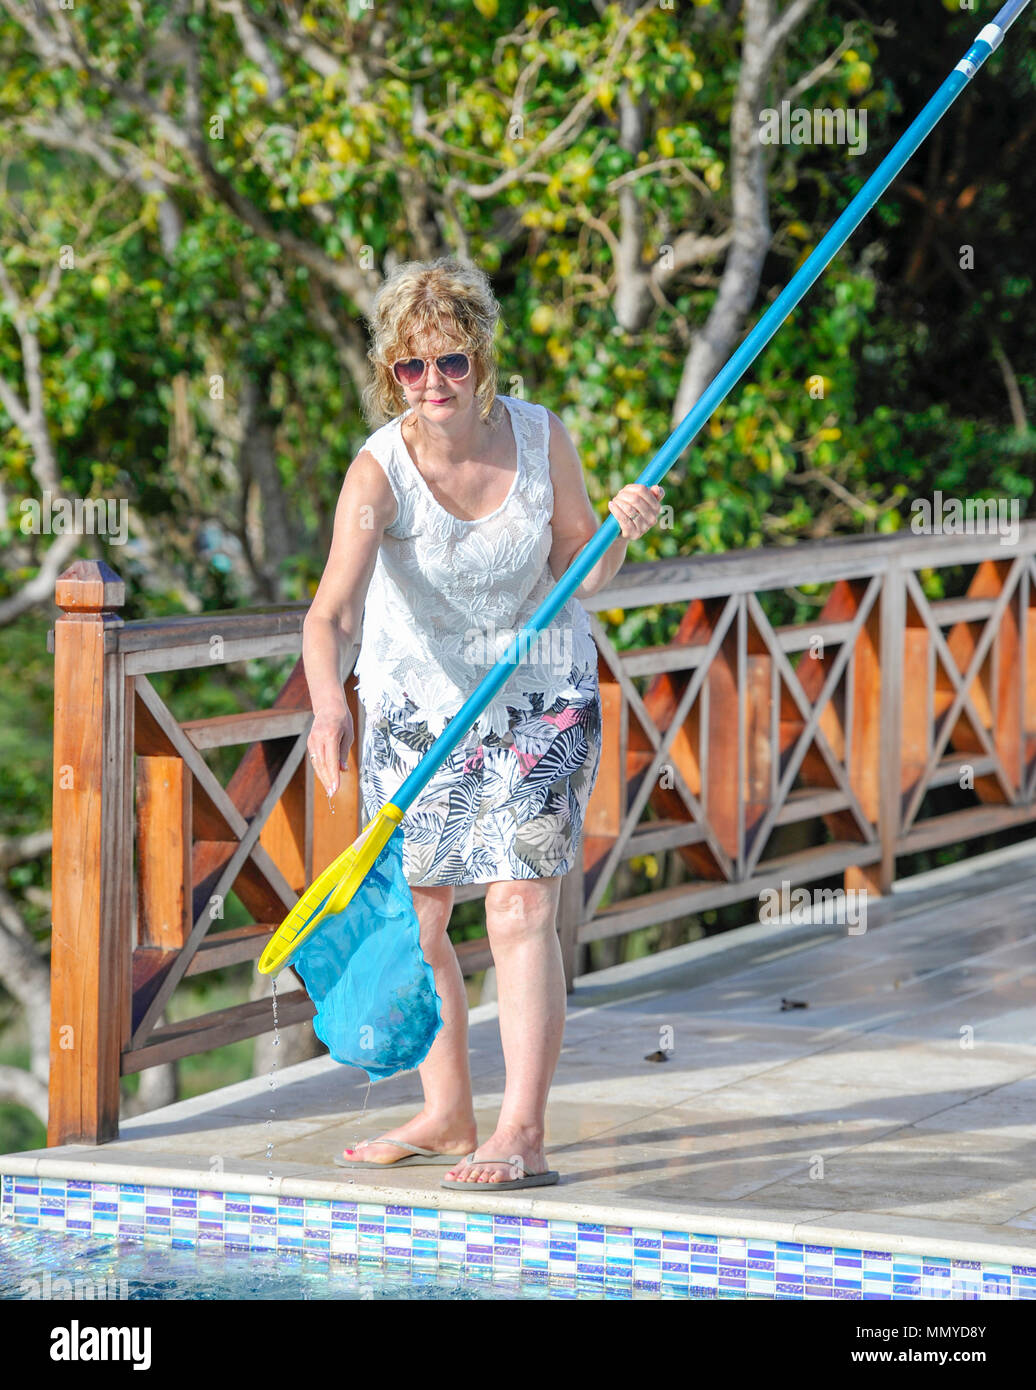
{"x": 377, "y": 1005}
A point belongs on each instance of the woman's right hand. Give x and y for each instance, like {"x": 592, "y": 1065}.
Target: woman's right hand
{"x": 330, "y": 738}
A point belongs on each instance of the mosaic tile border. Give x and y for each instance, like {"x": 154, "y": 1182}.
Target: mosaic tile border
{"x": 530, "y": 1248}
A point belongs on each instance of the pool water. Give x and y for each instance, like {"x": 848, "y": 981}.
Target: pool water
{"x": 50, "y": 1265}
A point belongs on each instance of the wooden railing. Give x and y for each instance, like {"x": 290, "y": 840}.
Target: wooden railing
{"x": 759, "y": 755}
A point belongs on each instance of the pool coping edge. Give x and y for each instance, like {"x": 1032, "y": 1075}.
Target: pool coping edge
{"x": 851, "y": 1230}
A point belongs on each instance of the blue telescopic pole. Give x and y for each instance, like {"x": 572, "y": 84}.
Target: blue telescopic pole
{"x": 722, "y": 383}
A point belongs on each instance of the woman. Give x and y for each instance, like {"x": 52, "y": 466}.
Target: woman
{"x": 455, "y": 520}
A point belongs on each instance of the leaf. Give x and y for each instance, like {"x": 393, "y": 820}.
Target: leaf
{"x": 564, "y": 756}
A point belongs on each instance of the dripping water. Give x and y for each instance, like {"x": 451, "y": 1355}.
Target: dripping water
{"x": 272, "y": 1082}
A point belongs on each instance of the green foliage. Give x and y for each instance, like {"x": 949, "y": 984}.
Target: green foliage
{"x": 776, "y": 463}
{"x": 900, "y": 374}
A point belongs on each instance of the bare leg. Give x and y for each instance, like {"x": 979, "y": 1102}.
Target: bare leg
{"x": 447, "y": 1120}
{"x": 521, "y": 920}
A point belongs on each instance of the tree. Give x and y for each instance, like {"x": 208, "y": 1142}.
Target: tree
{"x": 201, "y": 198}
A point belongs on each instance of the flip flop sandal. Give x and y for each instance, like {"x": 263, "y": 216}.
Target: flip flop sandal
{"x": 527, "y": 1180}
{"x": 414, "y": 1156}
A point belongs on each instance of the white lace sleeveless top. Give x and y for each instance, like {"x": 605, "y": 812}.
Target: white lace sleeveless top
{"x": 447, "y": 596}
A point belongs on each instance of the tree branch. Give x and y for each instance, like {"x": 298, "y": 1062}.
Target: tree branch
{"x": 564, "y": 132}
{"x": 254, "y": 46}
{"x": 26, "y": 975}
{"x": 739, "y": 284}
{"x": 16, "y": 849}
{"x": 18, "y": 1087}
{"x": 824, "y": 67}
{"x": 58, "y": 47}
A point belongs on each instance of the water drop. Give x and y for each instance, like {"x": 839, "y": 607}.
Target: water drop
{"x": 273, "y": 1067}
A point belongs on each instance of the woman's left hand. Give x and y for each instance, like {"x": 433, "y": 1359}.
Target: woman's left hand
{"x": 636, "y": 508}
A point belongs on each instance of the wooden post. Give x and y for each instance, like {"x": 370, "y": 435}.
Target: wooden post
{"x": 759, "y": 738}
{"x": 1027, "y": 662}
{"x": 93, "y": 847}
{"x": 1008, "y": 721}
{"x": 918, "y": 676}
{"x": 287, "y": 835}
{"x": 871, "y": 743}
{"x": 163, "y": 818}
{"x": 724, "y": 776}
{"x": 890, "y": 809}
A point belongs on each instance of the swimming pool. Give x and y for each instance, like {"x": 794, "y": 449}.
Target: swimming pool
{"x": 49, "y": 1265}
{"x": 578, "y": 1253}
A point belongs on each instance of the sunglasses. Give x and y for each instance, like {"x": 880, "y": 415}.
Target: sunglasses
{"x": 410, "y": 371}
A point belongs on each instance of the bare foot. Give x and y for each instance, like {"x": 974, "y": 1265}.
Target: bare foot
{"x": 506, "y": 1144}
{"x": 425, "y": 1132}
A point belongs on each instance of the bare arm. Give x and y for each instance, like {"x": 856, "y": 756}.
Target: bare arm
{"x": 575, "y": 523}
{"x": 332, "y": 627}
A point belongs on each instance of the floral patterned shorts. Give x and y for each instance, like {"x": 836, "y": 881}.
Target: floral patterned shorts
{"x": 500, "y": 807}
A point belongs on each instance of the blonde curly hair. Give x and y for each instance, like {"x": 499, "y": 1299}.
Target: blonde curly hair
{"x": 419, "y": 298}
